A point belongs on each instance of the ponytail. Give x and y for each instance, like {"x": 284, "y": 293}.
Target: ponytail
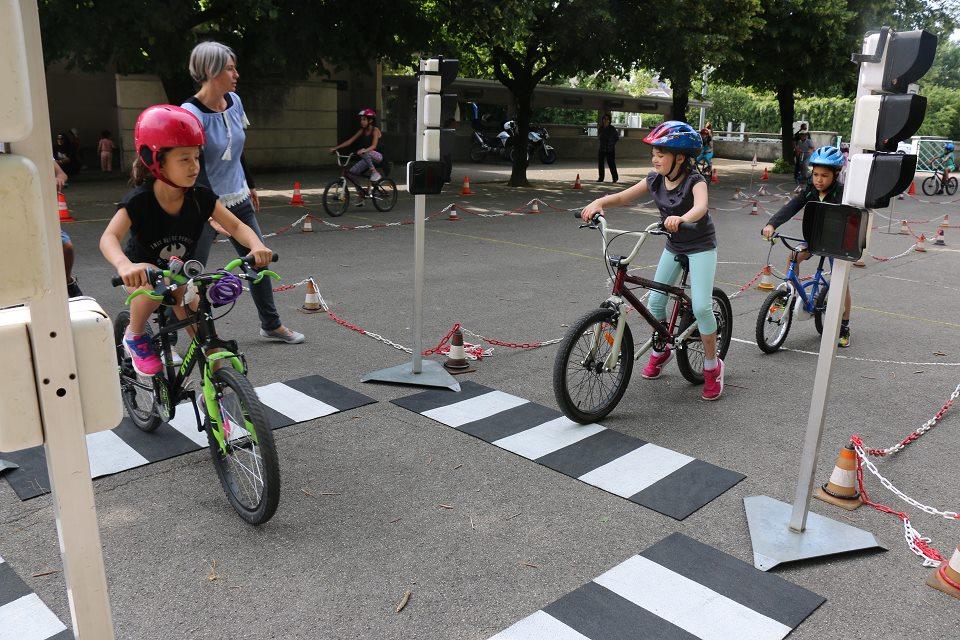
{"x": 139, "y": 174}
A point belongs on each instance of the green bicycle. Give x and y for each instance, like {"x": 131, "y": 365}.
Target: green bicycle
{"x": 238, "y": 432}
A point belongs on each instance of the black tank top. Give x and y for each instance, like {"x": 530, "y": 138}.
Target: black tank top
{"x": 366, "y": 139}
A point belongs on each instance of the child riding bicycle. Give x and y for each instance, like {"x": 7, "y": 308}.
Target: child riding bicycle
{"x": 371, "y": 149}
{"x": 164, "y": 214}
{"x": 681, "y": 196}
{"x": 824, "y": 186}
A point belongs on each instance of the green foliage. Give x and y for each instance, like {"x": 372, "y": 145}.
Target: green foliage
{"x": 943, "y": 112}
{"x": 782, "y": 166}
{"x": 946, "y": 66}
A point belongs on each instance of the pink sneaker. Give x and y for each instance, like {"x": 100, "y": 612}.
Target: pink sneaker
{"x": 655, "y": 365}
{"x": 713, "y": 381}
{"x": 145, "y": 360}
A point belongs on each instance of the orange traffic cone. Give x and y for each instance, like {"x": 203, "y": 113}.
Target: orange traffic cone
{"x": 465, "y": 189}
{"x": 904, "y": 229}
{"x": 297, "y": 199}
{"x": 713, "y": 177}
{"x": 452, "y": 216}
{"x": 946, "y": 578}
{"x": 766, "y": 175}
{"x": 457, "y": 357}
{"x": 912, "y": 191}
{"x": 62, "y": 209}
{"x": 576, "y": 183}
{"x": 308, "y": 224}
{"x": 841, "y": 489}
{"x": 311, "y": 303}
{"x": 946, "y": 221}
{"x": 921, "y": 246}
{"x": 535, "y": 207}
{"x": 753, "y": 209}
{"x": 940, "y": 240}
{"x": 766, "y": 279}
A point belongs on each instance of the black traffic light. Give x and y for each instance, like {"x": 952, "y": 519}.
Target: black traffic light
{"x": 872, "y": 179}
{"x": 886, "y": 120}
{"x": 425, "y": 177}
{"x": 835, "y": 230}
{"x": 909, "y": 56}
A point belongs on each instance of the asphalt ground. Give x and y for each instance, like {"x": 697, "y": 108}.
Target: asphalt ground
{"x": 359, "y": 523}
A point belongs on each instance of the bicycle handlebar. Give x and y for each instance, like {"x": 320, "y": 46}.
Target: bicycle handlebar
{"x": 685, "y": 226}
{"x": 153, "y": 274}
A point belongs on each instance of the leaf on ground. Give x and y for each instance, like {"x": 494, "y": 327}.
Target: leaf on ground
{"x": 49, "y": 572}
{"x": 213, "y": 572}
{"x": 404, "y": 601}
{"x": 307, "y": 493}
{"x": 395, "y": 520}
{"x": 529, "y": 564}
{"x": 444, "y": 506}
{"x": 939, "y": 353}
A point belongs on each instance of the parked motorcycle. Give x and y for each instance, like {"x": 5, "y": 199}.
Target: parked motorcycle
{"x": 537, "y": 144}
{"x": 501, "y": 145}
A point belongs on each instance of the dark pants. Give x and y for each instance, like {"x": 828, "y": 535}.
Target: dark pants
{"x": 262, "y": 293}
{"x": 611, "y": 159}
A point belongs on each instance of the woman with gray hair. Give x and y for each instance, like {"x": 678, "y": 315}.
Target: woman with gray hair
{"x": 223, "y": 167}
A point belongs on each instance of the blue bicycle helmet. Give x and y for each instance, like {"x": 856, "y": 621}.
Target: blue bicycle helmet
{"x": 948, "y": 146}
{"x": 674, "y": 135}
{"x": 827, "y": 157}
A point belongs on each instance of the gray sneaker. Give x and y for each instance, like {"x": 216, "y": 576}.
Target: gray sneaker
{"x": 284, "y": 335}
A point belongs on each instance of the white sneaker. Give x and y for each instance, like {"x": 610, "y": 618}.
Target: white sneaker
{"x": 375, "y": 177}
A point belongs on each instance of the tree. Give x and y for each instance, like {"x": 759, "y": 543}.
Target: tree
{"x": 805, "y": 45}
{"x": 523, "y": 43}
{"x": 945, "y": 71}
{"x": 685, "y": 36}
{"x": 282, "y": 41}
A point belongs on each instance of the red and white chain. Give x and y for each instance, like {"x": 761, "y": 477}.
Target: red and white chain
{"x": 919, "y": 431}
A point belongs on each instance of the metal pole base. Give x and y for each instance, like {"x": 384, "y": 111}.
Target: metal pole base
{"x": 432, "y": 375}
{"x": 774, "y": 542}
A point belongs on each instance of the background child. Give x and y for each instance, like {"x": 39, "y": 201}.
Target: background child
{"x": 105, "y": 149}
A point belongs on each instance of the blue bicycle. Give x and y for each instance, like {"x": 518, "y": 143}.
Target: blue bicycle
{"x": 791, "y": 299}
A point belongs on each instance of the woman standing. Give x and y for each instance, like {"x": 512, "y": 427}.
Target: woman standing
{"x": 609, "y": 137}
{"x": 222, "y": 165}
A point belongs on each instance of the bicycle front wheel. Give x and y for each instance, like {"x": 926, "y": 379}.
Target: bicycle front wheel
{"x": 951, "y": 185}
{"x": 136, "y": 391}
{"x": 585, "y": 391}
{"x": 384, "y": 195}
{"x": 773, "y": 321}
{"x": 336, "y": 198}
{"x": 690, "y": 357}
{"x": 247, "y": 464}
{"x": 820, "y": 308}
{"x": 931, "y": 185}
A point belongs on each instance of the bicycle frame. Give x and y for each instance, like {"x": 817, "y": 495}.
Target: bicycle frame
{"x": 621, "y": 295}
{"x": 344, "y": 162}
{"x": 792, "y": 280}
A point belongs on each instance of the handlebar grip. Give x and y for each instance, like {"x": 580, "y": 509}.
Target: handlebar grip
{"x": 152, "y": 274}
{"x": 250, "y": 261}
{"x": 687, "y": 226}
{"x": 116, "y": 281}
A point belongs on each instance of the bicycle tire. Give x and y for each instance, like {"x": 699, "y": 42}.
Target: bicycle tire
{"x": 703, "y": 167}
{"x": 690, "y": 357}
{"x": 384, "y": 195}
{"x": 820, "y": 308}
{"x": 228, "y": 380}
{"x": 951, "y": 185}
{"x": 931, "y": 185}
{"x": 777, "y": 299}
{"x": 146, "y": 418}
{"x": 561, "y": 370}
{"x": 336, "y": 202}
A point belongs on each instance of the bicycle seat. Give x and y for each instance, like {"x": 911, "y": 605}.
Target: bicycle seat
{"x": 684, "y": 261}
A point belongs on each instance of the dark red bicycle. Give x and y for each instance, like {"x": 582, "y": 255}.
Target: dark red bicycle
{"x": 336, "y": 196}
{"x": 595, "y": 360}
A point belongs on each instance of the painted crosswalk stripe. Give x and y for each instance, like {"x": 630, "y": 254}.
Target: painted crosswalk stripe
{"x": 126, "y": 446}
{"x": 678, "y": 589}
{"x": 23, "y": 615}
{"x": 669, "y": 482}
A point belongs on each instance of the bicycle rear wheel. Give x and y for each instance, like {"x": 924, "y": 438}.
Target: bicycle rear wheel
{"x": 136, "y": 391}
{"x": 248, "y": 468}
{"x": 336, "y": 198}
{"x": 583, "y": 390}
{"x": 384, "y": 194}
{"x": 773, "y": 321}
{"x": 931, "y": 185}
{"x": 690, "y": 357}
{"x": 951, "y": 185}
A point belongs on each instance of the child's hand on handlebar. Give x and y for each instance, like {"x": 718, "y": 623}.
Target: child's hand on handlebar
{"x": 591, "y": 210}
{"x": 262, "y": 255}
{"x": 134, "y": 275}
{"x": 672, "y": 223}
{"x": 768, "y": 231}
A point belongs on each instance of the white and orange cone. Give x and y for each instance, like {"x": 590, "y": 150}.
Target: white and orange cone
{"x": 921, "y": 246}
{"x": 535, "y": 207}
{"x": 297, "y": 199}
{"x": 465, "y": 189}
{"x": 311, "y": 303}
{"x": 754, "y": 209}
{"x": 576, "y": 183}
{"x": 453, "y": 216}
{"x": 904, "y": 229}
{"x": 62, "y": 210}
{"x": 762, "y": 191}
{"x": 841, "y": 489}
{"x": 940, "y": 240}
{"x": 946, "y": 221}
{"x": 766, "y": 279}
{"x": 457, "y": 357}
{"x": 946, "y": 577}
{"x": 308, "y": 224}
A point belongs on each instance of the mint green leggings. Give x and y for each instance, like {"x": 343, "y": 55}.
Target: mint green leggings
{"x": 703, "y": 268}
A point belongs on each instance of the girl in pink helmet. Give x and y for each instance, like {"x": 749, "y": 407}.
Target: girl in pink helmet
{"x": 164, "y": 214}
{"x": 371, "y": 147}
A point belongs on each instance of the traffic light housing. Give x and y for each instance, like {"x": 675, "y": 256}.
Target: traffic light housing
{"x": 439, "y": 110}
{"x": 835, "y": 230}
{"x": 872, "y": 179}
{"x": 898, "y": 59}
{"x": 888, "y": 120}
{"x": 425, "y": 177}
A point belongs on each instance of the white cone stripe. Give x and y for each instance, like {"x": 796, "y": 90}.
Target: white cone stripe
{"x": 548, "y": 437}
{"x": 27, "y": 618}
{"x": 954, "y": 560}
{"x": 294, "y": 404}
{"x": 632, "y": 473}
{"x": 843, "y": 478}
{"x": 108, "y": 453}
{"x": 688, "y": 604}
{"x": 539, "y": 626}
{"x": 186, "y": 423}
{"x": 478, "y": 408}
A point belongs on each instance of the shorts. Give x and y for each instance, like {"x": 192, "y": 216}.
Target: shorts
{"x": 64, "y": 238}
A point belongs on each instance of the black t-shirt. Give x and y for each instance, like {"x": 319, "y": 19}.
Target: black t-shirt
{"x": 157, "y": 235}
{"x": 676, "y": 202}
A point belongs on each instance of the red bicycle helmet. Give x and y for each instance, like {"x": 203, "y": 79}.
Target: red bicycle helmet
{"x": 163, "y": 126}
{"x": 368, "y": 113}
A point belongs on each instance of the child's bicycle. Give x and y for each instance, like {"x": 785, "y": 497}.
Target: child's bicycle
{"x": 593, "y": 366}
{"x": 238, "y": 432}
{"x": 336, "y": 195}
{"x": 791, "y": 299}
{"x": 941, "y": 181}
{"x": 704, "y": 164}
